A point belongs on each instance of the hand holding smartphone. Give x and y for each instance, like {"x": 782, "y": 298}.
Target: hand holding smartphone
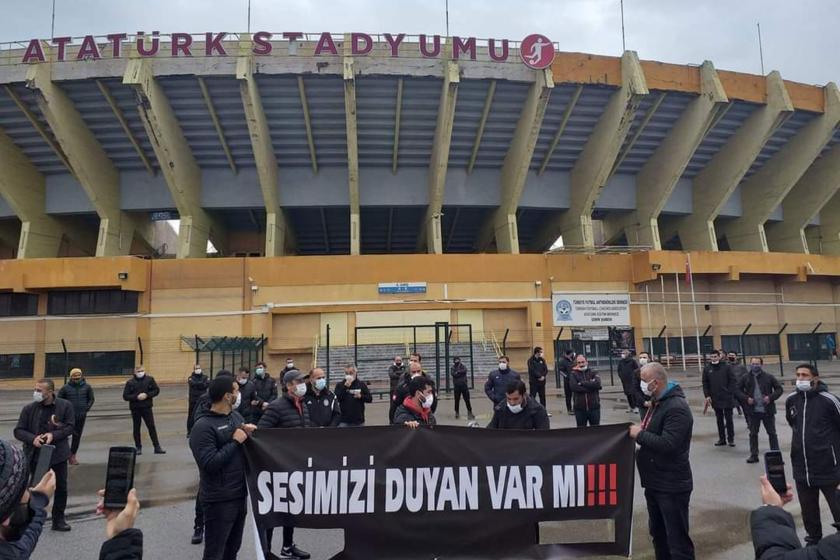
{"x": 119, "y": 479}
{"x": 45, "y": 453}
{"x": 774, "y": 466}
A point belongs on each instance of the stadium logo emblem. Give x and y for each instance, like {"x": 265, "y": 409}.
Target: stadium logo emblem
{"x": 564, "y": 310}
{"x": 537, "y": 51}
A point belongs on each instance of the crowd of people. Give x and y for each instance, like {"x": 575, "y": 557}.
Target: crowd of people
{"x": 224, "y": 412}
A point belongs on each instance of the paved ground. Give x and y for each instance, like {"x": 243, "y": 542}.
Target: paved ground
{"x": 725, "y": 487}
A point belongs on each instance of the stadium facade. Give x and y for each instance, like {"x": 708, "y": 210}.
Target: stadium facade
{"x": 323, "y": 167}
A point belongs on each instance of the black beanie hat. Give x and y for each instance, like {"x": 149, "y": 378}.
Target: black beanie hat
{"x": 14, "y": 474}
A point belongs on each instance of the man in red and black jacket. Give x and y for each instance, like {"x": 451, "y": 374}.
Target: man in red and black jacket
{"x": 586, "y": 387}
{"x": 416, "y": 408}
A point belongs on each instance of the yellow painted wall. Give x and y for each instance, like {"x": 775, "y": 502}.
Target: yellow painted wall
{"x": 399, "y": 336}
{"x": 338, "y": 328}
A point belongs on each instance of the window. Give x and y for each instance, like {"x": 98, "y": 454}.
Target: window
{"x": 806, "y": 347}
{"x": 91, "y": 302}
{"x": 656, "y": 346}
{"x": 91, "y": 363}
{"x": 13, "y": 366}
{"x": 754, "y": 344}
{"x": 18, "y": 305}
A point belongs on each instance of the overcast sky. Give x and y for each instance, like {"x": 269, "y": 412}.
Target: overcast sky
{"x": 800, "y": 38}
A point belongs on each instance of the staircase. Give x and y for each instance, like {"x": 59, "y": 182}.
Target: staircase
{"x": 375, "y": 359}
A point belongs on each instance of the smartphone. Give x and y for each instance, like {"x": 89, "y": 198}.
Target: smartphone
{"x": 119, "y": 479}
{"x": 45, "y": 453}
{"x": 774, "y": 467}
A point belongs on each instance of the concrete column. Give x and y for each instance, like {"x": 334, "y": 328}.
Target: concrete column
{"x": 713, "y": 186}
{"x": 352, "y": 147}
{"x": 430, "y": 234}
{"x": 656, "y": 180}
{"x": 594, "y": 165}
{"x": 828, "y": 239}
{"x": 770, "y": 185}
{"x": 176, "y": 161}
{"x": 502, "y": 224}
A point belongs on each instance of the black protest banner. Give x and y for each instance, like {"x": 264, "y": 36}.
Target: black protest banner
{"x": 449, "y": 492}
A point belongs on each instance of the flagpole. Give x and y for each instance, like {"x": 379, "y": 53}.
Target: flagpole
{"x": 694, "y": 309}
{"x": 679, "y": 313}
{"x": 665, "y": 320}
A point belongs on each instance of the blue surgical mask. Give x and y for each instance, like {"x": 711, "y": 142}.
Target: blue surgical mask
{"x": 321, "y": 383}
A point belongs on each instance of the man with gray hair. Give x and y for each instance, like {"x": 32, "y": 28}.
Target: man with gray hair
{"x": 664, "y": 439}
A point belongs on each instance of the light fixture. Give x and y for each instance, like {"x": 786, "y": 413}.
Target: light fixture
{"x": 122, "y": 275}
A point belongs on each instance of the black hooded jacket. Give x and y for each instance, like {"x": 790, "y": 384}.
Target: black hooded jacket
{"x": 532, "y": 417}
{"x": 774, "y": 538}
{"x": 719, "y": 383}
{"x": 80, "y": 396}
{"x": 815, "y": 444}
{"x": 663, "y": 457}
{"x": 220, "y": 459}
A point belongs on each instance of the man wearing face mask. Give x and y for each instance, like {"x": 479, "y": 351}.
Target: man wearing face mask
{"x": 719, "y": 390}
{"x": 22, "y": 511}
{"x": 324, "y": 411}
{"x": 80, "y": 395}
{"x": 140, "y": 392}
{"x": 216, "y": 444}
{"x": 265, "y": 389}
{"x": 586, "y": 388}
{"x": 497, "y": 382}
{"x": 48, "y": 420}
{"x": 814, "y": 415}
{"x": 396, "y": 372}
{"x": 740, "y": 371}
{"x": 197, "y": 384}
{"x": 290, "y": 365}
{"x": 640, "y": 399}
{"x": 248, "y": 393}
{"x": 567, "y": 362}
{"x": 664, "y": 440}
{"x": 416, "y": 407}
{"x": 352, "y": 394}
{"x": 462, "y": 388}
{"x": 627, "y": 371}
{"x": 759, "y": 390}
{"x": 288, "y": 411}
{"x": 519, "y": 411}
{"x": 414, "y": 370}
{"x": 537, "y": 374}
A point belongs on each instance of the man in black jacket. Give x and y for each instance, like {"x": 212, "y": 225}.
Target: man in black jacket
{"x": 758, "y": 391}
{"x": 586, "y": 387}
{"x": 627, "y": 368}
{"x": 396, "y": 373}
{"x": 248, "y": 392}
{"x": 215, "y": 443}
{"x": 414, "y": 370}
{"x": 48, "y": 420}
{"x": 460, "y": 383}
{"x": 80, "y": 395}
{"x": 719, "y": 390}
{"x": 416, "y": 408}
{"x": 774, "y": 532}
{"x": 519, "y": 411}
{"x": 814, "y": 415}
{"x": 640, "y": 400}
{"x": 497, "y": 382}
{"x": 567, "y": 362}
{"x": 322, "y": 404}
{"x": 265, "y": 389}
{"x": 197, "y": 384}
{"x": 140, "y": 392}
{"x": 288, "y": 411}
{"x": 739, "y": 370}
{"x": 537, "y": 375}
{"x": 352, "y": 394}
{"x": 664, "y": 440}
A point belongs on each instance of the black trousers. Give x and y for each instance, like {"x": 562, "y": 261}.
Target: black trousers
{"x": 199, "y": 513}
{"x": 755, "y": 420}
{"x": 809, "y": 499}
{"x": 668, "y": 524}
{"x": 190, "y": 419}
{"x": 60, "y": 497}
{"x": 538, "y": 390}
{"x": 78, "y": 428}
{"x": 147, "y": 416}
{"x": 568, "y": 392}
{"x": 724, "y": 420}
{"x": 268, "y": 535}
{"x": 223, "y": 526}
{"x": 591, "y": 417}
{"x": 629, "y": 397}
{"x": 462, "y": 391}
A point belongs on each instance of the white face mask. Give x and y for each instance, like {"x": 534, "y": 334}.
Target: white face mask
{"x": 300, "y": 389}
{"x": 515, "y": 408}
{"x": 197, "y": 371}
{"x": 502, "y": 366}
{"x": 429, "y": 401}
{"x": 349, "y": 378}
{"x": 643, "y": 361}
{"x": 238, "y": 401}
{"x": 260, "y": 372}
{"x": 645, "y": 386}
{"x": 290, "y": 365}
{"x": 803, "y": 385}
{"x": 139, "y": 374}
{"x": 321, "y": 383}
{"x": 37, "y": 396}
{"x": 242, "y": 381}
{"x": 715, "y": 361}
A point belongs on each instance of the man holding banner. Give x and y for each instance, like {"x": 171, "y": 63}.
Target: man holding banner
{"x": 519, "y": 412}
{"x": 416, "y": 408}
{"x": 664, "y": 440}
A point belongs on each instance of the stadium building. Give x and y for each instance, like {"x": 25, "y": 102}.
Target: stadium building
{"x": 359, "y": 181}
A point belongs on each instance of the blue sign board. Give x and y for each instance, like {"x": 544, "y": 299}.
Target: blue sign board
{"x": 403, "y": 288}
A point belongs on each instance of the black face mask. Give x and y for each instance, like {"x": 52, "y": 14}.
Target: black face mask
{"x": 18, "y": 522}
